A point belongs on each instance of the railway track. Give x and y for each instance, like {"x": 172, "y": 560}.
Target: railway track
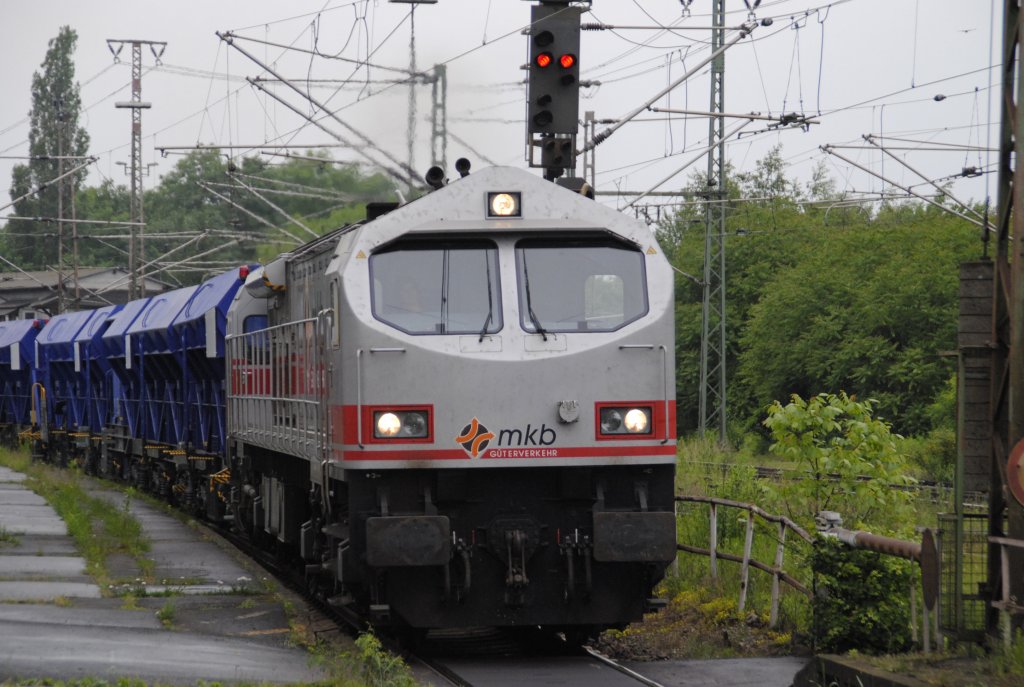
{"x": 473, "y": 657}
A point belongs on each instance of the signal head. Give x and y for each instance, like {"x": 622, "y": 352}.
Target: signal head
{"x": 553, "y": 86}
{"x": 543, "y": 39}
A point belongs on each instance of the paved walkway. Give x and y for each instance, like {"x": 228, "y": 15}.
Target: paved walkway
{"x": 37, "y": 561}
{"x": 186, "y": 559}
{"x": 55, "y": 623}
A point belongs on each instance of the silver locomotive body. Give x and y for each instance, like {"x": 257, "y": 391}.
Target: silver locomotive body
{"x": 462, "y": 412}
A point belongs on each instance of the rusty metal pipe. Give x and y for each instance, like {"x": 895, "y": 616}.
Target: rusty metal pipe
{"x": 876, "y": 542}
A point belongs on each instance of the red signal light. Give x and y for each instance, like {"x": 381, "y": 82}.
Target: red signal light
{"x": 567, "y": 61}
{"x": 243, "y": 272}
{"x": 544, "y": 60}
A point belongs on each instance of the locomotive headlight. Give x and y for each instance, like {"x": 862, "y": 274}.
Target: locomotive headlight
{"x": 401, "y": 424}
{"x": 388, "y": 424}
{"x": 611, "y": 421}
{"x": 637, "y": 421}
{"x": 620, "y": 420}
{"x": 414, "y": 425}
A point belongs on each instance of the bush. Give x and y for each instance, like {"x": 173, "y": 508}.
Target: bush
{"x": 861, "y": 599}
{"x": 934, "y": 455}
{"x": 849, "y": 460}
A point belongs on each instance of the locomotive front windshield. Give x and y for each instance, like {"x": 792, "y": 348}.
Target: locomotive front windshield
{"x": 437, "y": 288}
{"x": 579, "y": 285}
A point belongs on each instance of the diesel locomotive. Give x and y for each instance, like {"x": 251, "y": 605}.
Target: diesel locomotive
{"x": 459, "y": 412}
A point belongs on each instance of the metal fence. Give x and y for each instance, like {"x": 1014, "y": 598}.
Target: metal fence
{"x": 963, "y": 561}
{"x": 277, "y": 386}
{"x": 779, "y": 576}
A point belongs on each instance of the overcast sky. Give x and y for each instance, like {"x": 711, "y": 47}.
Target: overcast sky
{"x": 856, "y": 66}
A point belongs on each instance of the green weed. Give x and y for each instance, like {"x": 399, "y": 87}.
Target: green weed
{"x": 166, "y": 614}
{"x": 8, "y": 538}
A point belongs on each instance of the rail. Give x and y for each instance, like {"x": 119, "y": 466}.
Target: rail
{"x": 779, "y": 576}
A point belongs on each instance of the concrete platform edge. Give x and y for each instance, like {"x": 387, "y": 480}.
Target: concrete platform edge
{"x": 843, "y": 671}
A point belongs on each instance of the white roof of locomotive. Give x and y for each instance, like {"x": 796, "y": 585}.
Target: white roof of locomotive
{"x": 460, "y": 206}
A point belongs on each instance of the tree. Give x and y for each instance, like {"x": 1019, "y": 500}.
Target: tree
{"x": 868, "y": 310}
{"x": 820, "y": 297}
{"x": 54, "y": 132}
{"x": 321, "y": 196}
{"x": 847, "y": 459}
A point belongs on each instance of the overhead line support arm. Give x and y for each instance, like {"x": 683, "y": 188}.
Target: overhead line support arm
{"x": 906, "y": 189}
{"x": 229, "y": 39}
{"x": 601, "y": 137}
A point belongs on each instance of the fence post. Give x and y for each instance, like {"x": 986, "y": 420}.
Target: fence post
{"x": 773, "y": 617}
{"x": 1006, "y": 619}
{"x": 745, "y": 570}
{"x": 926, "y": 628}
{"x": 675, "y": 561}
{"x": 913, "y": 613}
{"x": 714, "y": 541}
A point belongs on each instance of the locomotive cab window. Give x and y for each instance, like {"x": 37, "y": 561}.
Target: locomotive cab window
{"x": 579, "y": 285}
{"x": 255, "y": 340}
{"x": 431, "y": 287}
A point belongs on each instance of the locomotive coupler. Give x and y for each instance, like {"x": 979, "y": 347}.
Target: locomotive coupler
{"x": 461, "y": 551}
{"x": 516, "y": 580}
{"x": 515, "y": 542}
{"x": 571, "y": 547}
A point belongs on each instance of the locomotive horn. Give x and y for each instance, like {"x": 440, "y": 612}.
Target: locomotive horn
{"x": 462, "y": 166}
{"x": 435, "y": 177}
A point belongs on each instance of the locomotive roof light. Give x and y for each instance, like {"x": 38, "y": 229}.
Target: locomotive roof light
{"x": 504, "y": 204}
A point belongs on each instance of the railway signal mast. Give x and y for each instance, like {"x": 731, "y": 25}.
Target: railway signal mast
{"x": 553, "y": 88}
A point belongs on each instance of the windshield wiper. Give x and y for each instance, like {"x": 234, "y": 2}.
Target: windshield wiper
{"x": 529, "y": 302}
{"x": 490, "y": 299}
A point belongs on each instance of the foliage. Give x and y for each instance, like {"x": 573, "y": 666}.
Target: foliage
{"x": 167, "y": 614}
{"x": 1010, "y": 659}
{"x": 54, "y": 133}
{"x": 862, "y": 599}
{"x": 706, "y": 469}
{"x": 7, "y": 538}
{"x": 696, "y": 624}
{"x": 380, "y": 668}
{"x": 820, "y": 295}
{"x": 868, "y": 312}
{"x": 850, "y": 461}
{"x": 933, "y": 456}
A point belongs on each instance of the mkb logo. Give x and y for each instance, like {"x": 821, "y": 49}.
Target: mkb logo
{"x": 474, "y": 438}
